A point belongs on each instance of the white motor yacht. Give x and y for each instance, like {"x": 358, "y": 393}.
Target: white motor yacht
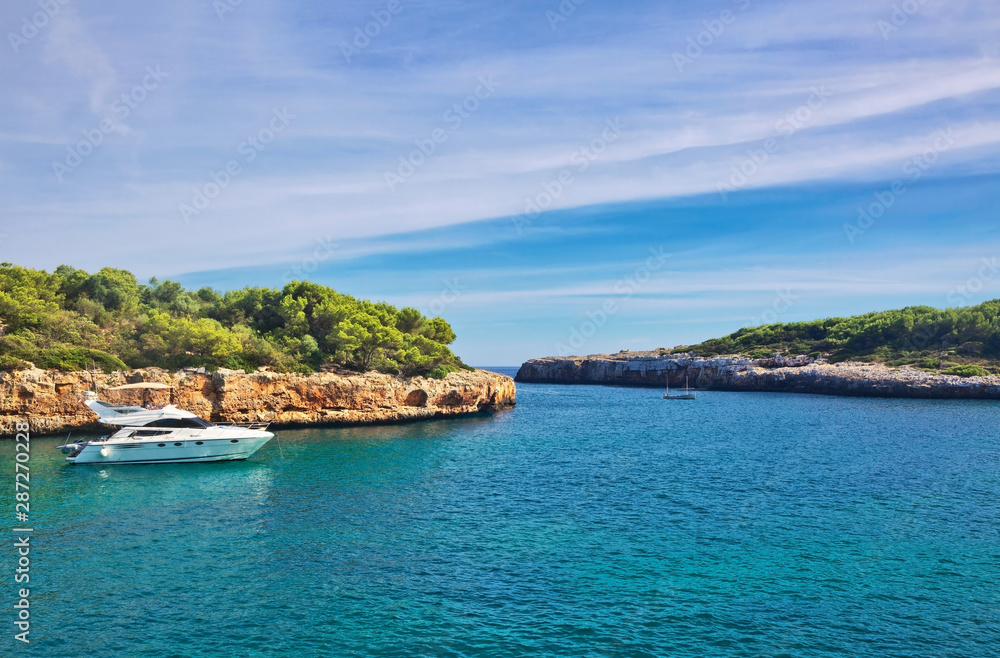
{"x": 160, "y": 435}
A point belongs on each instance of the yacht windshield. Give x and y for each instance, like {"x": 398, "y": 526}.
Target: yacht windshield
{"x": 179, "y": 422}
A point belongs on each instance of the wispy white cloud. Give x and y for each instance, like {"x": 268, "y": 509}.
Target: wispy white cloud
{"x": 325, "y": 176}
{"x": 70, "y": 44}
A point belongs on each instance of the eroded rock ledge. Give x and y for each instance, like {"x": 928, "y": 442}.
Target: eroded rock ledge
{"x": 737, "y": 373}
{"x": 51, "y": 402}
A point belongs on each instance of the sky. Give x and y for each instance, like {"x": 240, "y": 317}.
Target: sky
{"x": 551, "y": 177}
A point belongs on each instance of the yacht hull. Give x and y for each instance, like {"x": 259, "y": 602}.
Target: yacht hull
{"x": 168, "y": 451}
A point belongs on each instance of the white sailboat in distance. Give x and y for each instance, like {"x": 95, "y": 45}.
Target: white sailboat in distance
{"x": 688, "y": 394}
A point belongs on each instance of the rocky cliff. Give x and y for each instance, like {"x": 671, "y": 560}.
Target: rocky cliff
{"x": 50, "y": 399}
{"x": 735, "y": 373}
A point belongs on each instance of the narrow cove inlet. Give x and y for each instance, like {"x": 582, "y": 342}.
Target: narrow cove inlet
{"x": 256, "y": 259}
{"x": 747, "y": 523}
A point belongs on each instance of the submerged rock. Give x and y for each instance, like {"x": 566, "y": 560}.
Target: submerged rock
{"x": 50, "y": 399}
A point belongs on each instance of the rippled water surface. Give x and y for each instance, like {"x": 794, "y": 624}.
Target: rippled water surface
{"x": 587, "y": 521}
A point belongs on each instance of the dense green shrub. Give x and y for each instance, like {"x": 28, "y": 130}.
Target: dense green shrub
{"x": 76, "y": 358}
{"x": 8, "y": 362}
{"x": 918, "y": 335}
{"x": 967, "y": 371}
{"x": 72, "y": 320}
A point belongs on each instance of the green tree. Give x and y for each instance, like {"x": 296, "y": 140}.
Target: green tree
{"x": 410, "y": 320}
{"x": 70, "y": 317}
{"x": 115, "y": 289}
{"x": 365, "y": 338}
{"x": 439, "y": 331}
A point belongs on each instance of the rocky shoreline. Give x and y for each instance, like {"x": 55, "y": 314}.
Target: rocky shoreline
{"x": 799, "y": 374}
{"x": 50, "y": 399}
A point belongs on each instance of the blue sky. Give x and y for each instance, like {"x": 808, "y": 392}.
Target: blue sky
{"x": 546, "y": 176}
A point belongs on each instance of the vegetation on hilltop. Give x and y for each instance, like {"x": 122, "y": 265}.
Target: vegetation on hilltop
{"x": 73, "y": 320}
{"x": 957, "y": 341}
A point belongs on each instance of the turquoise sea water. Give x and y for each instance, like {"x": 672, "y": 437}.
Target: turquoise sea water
{"x": 587, "y": 521}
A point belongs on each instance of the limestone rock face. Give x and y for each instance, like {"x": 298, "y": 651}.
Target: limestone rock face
{"x": 50, "y": 400}
{"x": 800, "y": 374}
